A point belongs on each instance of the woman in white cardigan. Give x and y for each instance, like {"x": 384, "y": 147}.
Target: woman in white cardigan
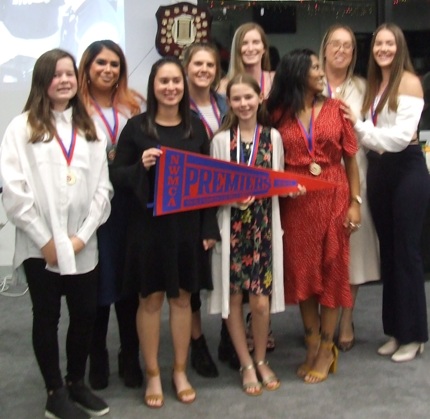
{"x": 249, "y": 256}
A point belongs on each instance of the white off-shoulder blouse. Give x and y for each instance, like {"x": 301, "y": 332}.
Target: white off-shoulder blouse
{"x": 394, "y": 130}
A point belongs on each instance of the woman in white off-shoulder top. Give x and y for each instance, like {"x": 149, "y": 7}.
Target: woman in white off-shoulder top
{"x": 398, "y": 188}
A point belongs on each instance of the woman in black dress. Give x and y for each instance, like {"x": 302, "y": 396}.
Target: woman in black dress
{"x": 163, "y": 254}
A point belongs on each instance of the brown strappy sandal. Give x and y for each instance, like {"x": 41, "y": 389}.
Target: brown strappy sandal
{"x": 182, "y": 395}
{"x": 154, "y": 401}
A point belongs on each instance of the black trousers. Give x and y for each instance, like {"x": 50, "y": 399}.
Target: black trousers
{"x": 398, "y": 187}
{"x": 46, "y": 289}
{"x": 126, "y": 310}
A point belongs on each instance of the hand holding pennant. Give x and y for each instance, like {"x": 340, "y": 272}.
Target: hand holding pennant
{"x": 187, "y": 181}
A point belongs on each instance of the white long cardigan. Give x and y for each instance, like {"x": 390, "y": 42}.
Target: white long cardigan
{"x": 219, "y": 298}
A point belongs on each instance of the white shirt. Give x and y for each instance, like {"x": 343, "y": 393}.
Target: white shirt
{"x": 210, "y": 118}
{"x": 40, "y": 202}
{"x": 394, "y": 130}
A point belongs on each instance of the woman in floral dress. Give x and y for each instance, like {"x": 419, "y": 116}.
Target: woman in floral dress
{"x": 249, "y": 257}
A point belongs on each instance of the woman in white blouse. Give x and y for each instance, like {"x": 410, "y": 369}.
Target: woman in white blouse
{"x": 56, "y": 190}
{"x": 398, "y": 188}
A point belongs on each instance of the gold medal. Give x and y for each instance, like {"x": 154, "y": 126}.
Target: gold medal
{"x": 111, "y": 153}
{"x": 71, "y": 178}
{"x": 315, "y": 169}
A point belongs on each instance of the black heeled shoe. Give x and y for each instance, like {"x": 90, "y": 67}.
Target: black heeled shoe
{"x": 226, "y": 351}
{"x": 99, "y": 370}
{"x": 346, "y": 345}
{"x": 201, "y": 359}
{"x": 129, "y": 369}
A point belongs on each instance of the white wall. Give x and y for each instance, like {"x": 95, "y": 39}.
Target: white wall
{"x": 140, "y": 42}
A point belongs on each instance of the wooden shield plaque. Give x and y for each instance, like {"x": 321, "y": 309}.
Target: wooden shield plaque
{"x": 179, "y": 25}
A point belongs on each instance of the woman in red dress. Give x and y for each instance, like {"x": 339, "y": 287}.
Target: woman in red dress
{"x": 317, "y": 226}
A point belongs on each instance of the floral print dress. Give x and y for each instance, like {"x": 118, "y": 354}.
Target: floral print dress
{"x": 251, "y": 231}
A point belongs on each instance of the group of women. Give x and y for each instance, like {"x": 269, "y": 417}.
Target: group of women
{"x": 60, "y": 157}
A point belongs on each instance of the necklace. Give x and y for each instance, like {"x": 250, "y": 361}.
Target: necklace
{"x": 240, "y": 157}
{"x": 338, "y": 91}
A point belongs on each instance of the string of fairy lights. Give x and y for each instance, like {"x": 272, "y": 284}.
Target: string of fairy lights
{"x": 222, "y": 8}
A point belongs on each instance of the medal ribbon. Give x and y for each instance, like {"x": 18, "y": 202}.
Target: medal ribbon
{"x": 240, "y": 155}
{"x": 309, "y": 137}
{"x": 329, "y": 91}
{"x": 215, "y": 110}
{"x": 113, "y": 132}
{"x": 373, "y": 113}
{"x": 68, "y": 154}
{"x": 373, "y": 107}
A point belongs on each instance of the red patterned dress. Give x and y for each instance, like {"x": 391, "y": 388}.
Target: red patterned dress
{"x": 316, "y": 244}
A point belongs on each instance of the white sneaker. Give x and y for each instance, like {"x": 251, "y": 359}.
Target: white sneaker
{"x": 389, "y": 347}
{"x": 408, "y": 352}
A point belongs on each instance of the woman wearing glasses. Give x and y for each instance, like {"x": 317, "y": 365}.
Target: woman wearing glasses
{"x": 338, "y": 55}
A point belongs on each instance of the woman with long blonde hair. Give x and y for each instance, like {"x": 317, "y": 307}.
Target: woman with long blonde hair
{"x": 250, "y": 54}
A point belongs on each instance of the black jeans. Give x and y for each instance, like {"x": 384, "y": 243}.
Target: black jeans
{"x": 46, "y": 289}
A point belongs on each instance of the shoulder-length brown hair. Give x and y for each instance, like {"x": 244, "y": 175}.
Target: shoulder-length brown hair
{"x": 211, "y": 49}
{"x": 122, "y": 96}
{"x": 401, "y": 63}
{"x": 236, "y": 64}
{"x": 38, "y": 104}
